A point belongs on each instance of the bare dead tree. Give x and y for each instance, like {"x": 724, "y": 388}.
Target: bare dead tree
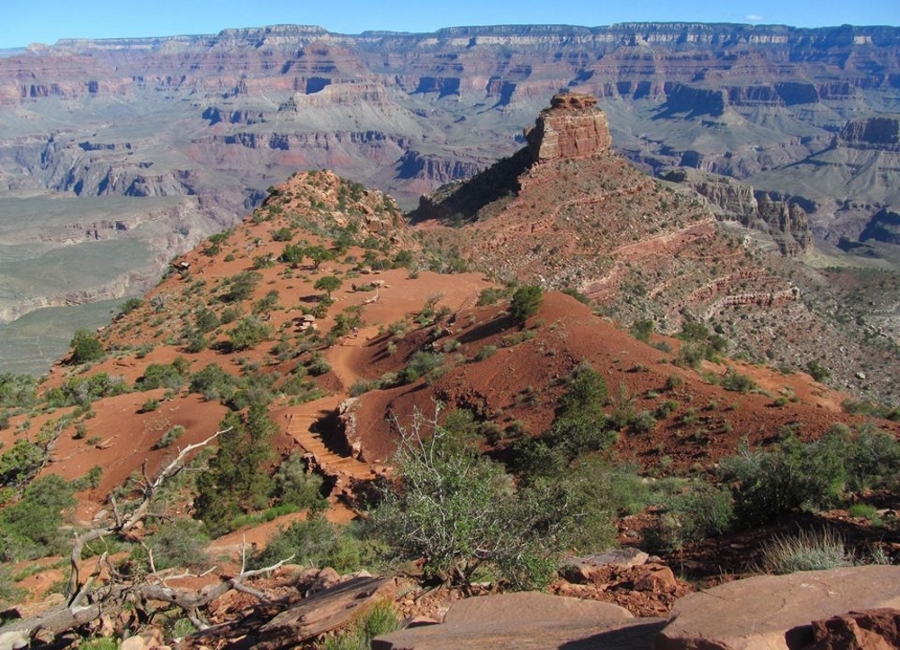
{"x": 89, "y": 597}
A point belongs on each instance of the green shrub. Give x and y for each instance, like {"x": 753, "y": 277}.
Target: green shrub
{"x": 525, "y": 302}
{"x": 213, "y": 383}
{"x": 328, "y": 283}
{"x": 17, "y": 390}
{"x": 642, "y": 329}
{"x": 282, "y": 234}
{"x": 872, "y": 460}
{"x": 872, "y": 409}
{"x": 314, "y": 542}
{"x": 580, "y": 427}
{"x": 241, "y": 286}
{"x": 159, "y": 375}
{"x": 734, "y": 381}
{"x": 817, "y": 371}
{"x": 196, "y": 343}
{"x": 83, "y": 390}
{"x": 421, "y": 364}
{"x": 20, "y": 462}
{"x": 666, "y": 408}
{"x": 575, "y": 293}
{"x": 403, "y": 259}
{"x": 376, "y": 619}
{"x": 150, "y": 405}
{"x": 169, "y": 437}
{"x": 267, "y": 303}
{"x": 296, "y": 485}
{"x": 31, "y": 528}
{"x": 89, "y": 480}
{"x": 643, "y": 422}
{"x": 249, "y": 333}
{"x": 795, "y": 475}
{"x": 206, "y": 320}
{"x": 362, "y": 386}
{"x": 130, "y": 305}
{"x": 318, "y": 365}
{"x": 181, "y": 543}
{"x": 9, "y": 593}
{"x": 805, "y": 551}
{"x": 696, "y": 513}
{"x": 85, "y": 347}
{"x": 862, "y": 510}
{"x": 485, "y": 352}
{"x": 586, "y": 393}
{"x": 673, "y": 381}
{"x": 699, "y": 344}
{"x": 229, "y": 315}
{"x": 235, "y": 480}
{"x": 459, "y": 512}
{"x": 489, "y": 296}
{"x": 691, "y": 354}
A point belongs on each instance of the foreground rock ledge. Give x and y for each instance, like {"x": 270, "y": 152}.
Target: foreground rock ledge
{"x": 526, "y": 621}
{"x": 775, "y": 612}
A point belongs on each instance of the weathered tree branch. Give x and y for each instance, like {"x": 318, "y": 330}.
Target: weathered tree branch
{"x": 75, "y": 612}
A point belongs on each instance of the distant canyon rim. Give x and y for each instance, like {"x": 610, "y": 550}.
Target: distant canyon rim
{"x": 116, "y": 155}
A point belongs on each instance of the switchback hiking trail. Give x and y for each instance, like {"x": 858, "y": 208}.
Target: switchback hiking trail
{"x": 302, "y": 419}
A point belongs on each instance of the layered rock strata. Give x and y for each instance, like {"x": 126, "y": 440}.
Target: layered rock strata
{"x": 573, "y": 127}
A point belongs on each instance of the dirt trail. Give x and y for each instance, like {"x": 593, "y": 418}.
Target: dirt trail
{"x": 301, "y": 419}
{"x": 342, "y": 356}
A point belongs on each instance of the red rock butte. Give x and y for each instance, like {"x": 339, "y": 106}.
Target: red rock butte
{"x": 573, "y": 127}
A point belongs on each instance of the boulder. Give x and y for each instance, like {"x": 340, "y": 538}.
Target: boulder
{"x": 655, "y": 578}
{"x": 524, "y": 621}
{"x": 874, "y": 629}
{"x": 620, "y": 557}
{"x": 775, "y": 612}
{"x": 133, "y": 643}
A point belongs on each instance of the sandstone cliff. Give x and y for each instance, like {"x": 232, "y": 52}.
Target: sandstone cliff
{"x": 572, "y": 127}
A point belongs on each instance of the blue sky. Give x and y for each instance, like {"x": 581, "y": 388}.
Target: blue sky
{"x": 45, "y": 21}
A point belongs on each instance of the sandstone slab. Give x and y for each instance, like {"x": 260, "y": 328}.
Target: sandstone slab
{"x": 527, "y": 621}
{"x": 775, "y": 612}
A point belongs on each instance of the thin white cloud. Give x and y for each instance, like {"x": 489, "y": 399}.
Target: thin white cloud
{"x": 753, "y": 18}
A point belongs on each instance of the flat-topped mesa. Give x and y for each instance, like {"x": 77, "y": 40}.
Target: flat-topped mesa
{"x": 573, "y": 127}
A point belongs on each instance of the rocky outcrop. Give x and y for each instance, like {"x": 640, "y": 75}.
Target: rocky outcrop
{"x": 775, "y": 612}
{"x": 693, "y": 101}
{"x": 573, "y": 127}
{"x": 784, "y": 219}
{"x": 134, "y": 282}
{"x": 875, "y": 629}
{"x": 460, "y": 201}
{"x": 881, "y": 132}
{"x": 524, "y": 621}
{"x": 438, "y": 170}
{"x": 807, "y": 610}
{"x": 884, "y": 226}
{"x": 246, "y": 117}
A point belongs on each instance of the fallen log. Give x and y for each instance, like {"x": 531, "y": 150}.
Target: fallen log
{"x": 322, "y": 612}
